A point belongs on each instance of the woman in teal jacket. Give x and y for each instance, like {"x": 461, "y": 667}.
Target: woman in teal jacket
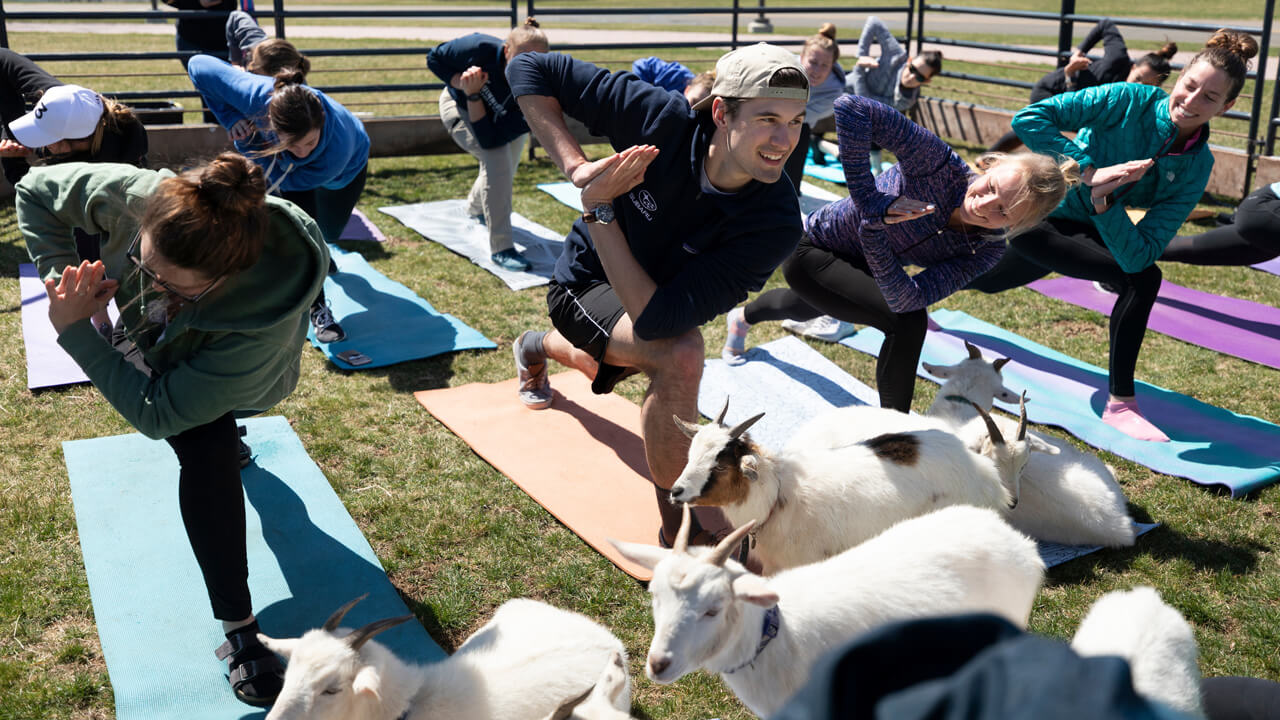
{"x": 1139, "y": 147}
{"x": 207, "y": 331}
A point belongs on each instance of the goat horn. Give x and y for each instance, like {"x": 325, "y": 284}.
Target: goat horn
{"x": 688, "y": 428}
{"x": 723, "y": 411}
{"x": 361, "y": 636}
{"x": 681, "y": 544}
{"x": 725, "y": 547}
{"x": 741, "y": 427}
{"x": 992, "y": 430}
{"x": 332, "y": 623}
{"x": 974, "y": 352}
{"x": 1000, "y": 363}
{"x": 1022, "y": 420}
{"x": 565, "y": 711}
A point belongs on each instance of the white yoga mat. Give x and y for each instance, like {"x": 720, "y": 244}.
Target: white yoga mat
{"x": 812, "y": 197}
{"x": 48, "y": 365}
{"x": 447, "y": 222}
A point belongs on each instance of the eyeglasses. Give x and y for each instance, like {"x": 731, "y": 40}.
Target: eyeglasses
{"x": 135, "y": 257}
{"x": 915, "y": 73}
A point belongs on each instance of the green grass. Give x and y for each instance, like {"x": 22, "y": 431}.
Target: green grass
{"x": 457, "y": 538}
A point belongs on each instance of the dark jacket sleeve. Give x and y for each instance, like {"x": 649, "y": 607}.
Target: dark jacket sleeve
{"x": 619, "y": 106}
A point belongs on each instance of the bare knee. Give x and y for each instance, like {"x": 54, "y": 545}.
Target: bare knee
{"x": 683, "y": 360}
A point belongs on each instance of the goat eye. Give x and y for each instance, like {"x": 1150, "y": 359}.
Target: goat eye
{"x": 332, "y": 691}
{"x": 711, "y": 613}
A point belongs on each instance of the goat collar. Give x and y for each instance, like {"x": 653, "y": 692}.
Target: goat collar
{"x": 777, "y": 503}
{"x": 956, "y": 398}
{"x": 772, "y": 618}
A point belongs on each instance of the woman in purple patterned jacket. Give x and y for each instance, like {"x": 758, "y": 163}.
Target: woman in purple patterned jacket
{"x": 930, "y": 210}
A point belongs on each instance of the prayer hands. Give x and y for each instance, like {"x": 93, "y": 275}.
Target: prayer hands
{"x": 471, "y": 80}
{"x": 619, "y": 174}
{"x": 13, "y": 148}
{"x": 905, "y": 208}
{"x": 1110, "y": 178}
{"x": 79, "y": 293}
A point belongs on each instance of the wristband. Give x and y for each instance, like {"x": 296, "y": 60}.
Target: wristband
{"x": 474, "y": 97}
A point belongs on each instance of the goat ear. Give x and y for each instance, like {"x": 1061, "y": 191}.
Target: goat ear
{"x": 283, "y": 648}
{"x": 941, "y": 371}
{"x": 647, "y": 556}
{"x": 367, "y": 683}
{"x": 753, "y": 589}
{"x": 1040, "y": 446}
{"x": 749, "y": 469}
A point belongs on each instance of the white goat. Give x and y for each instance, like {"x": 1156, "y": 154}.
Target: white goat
{"x": 600, "y": 702}
{"x": 520, "y": 666}
{"x": 763, "y": 635}
{"x": 1157, "y": 642}
{"x": 1071, "y": 498}
{"x": 812, "y": 503}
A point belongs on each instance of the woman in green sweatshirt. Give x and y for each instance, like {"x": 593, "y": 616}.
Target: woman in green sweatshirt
{"x": 209, "y": 329}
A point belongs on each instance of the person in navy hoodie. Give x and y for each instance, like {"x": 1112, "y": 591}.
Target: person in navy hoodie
{"x": 680, "y": 224}
{"x": 314, "y": 151}
{"x": 483, "y": 118}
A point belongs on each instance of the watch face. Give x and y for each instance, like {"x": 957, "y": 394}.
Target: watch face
{"x": 604, "y": 214}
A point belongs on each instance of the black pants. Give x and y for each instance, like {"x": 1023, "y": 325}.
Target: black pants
{"x": 330, "y": 209}
{"x": 1076, "y": 250}
{"x": 1240, "y": 698}
{"x": 794, "y": 167}
{"x": 1254, "y": 237}
{"x": 842, "y": 286}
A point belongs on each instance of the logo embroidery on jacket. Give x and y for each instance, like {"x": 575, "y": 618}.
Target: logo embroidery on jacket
{"x": 645, "y": 203}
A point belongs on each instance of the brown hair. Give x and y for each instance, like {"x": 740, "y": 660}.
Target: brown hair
{"x": 294, "y": 110}
{"x": 1158, "y": 61}
{"x": 115, "y": 116}
{"x": 787, "y": 77}
{"x": 932, "y": 60}
{"x": 529, "y": 34}
{"x": 1230, "y": 52}
{"x": 276, "y": 55}
{"x": 223, "y": 201}
{"x": 1045, "y": 182}
{"x": 825, "y": 41}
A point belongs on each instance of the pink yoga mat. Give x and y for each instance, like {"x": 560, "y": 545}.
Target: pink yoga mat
{"x": 1245, "y": 329}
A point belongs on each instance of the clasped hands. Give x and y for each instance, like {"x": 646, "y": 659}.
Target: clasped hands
{"x": 605, "y": 179}
{"x": 79, "y": 293}
{"x": 1104, "y": 181}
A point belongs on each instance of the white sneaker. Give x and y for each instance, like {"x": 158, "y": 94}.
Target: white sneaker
{"x": 823, "y": 327}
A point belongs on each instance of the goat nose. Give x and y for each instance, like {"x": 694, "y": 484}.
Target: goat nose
{"x": 657, "y": 665}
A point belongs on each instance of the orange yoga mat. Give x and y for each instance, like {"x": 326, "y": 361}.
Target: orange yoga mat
{"x": 582, "y": 458}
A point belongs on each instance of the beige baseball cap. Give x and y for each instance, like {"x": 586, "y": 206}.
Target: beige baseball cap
{"x": 746, "y": 72}
{"x": 64, "y": 112}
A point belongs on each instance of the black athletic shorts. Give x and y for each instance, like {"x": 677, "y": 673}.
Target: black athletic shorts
{"x": 585, "y": 315}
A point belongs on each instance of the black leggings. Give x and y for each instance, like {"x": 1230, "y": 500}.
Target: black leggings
{"x": 1076, "y": 249}
{"x": 1254, "y": 237}
{"x": 1240, "y": 698}
{"x": 842, "y": 286}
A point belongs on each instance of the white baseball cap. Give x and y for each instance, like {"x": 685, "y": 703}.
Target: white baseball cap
{"x": 64, "y": 112}
{"x": 746, "y": 72}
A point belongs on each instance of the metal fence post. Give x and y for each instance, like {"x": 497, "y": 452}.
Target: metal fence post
{"x": 1255, "y": 113}
{"x": 4, "y": 26}
{"x": 733, "y": 42}
{"x": 279, "y": 8}
{"x": 528, "y": 10}
{"x": 919, "y": 29}
{"x": 1065, "y": 27}
{"x": 911, "y": 6}
{"x": 515, "y": 11}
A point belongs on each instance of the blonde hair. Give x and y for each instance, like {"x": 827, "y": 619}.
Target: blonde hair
{"x": 530, "y": 33}
{"x": 1044, "y": 182}
{"x": 825, "y": 41}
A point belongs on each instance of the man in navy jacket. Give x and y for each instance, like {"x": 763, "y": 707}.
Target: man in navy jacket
{"x": 690, "y": 214}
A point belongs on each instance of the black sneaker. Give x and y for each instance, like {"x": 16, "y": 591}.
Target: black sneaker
{"x": 327, "y": 329}
{"x": 246, "y": 455}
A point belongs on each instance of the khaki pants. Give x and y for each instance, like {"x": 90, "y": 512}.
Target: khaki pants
{"x": 490, "y": 195}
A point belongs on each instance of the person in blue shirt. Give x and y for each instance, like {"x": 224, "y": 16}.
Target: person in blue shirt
{"x": 483, "y": 118}
{"x": 314, "y": 152}
{"x": 688, "y": 217}
{"x": 674, "y": 77}
{"x": 1139, "y": 147}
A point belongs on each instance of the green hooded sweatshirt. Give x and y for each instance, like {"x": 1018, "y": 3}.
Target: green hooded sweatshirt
{"x": 236, "y": 350}
{"x": 1119, "y": 122}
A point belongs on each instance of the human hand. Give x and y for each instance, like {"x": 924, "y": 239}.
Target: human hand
{"x": 471, "y": 80}
{"x": 626, "y": 172}
{"x": 905, "y": 208}
{"x": 866, "y": 61}
{"x": 79, "y": 293}
{"x": 13, "y": 148}
{"x": 1077, "y": 63}
{"x": 1108, "y": 179}
{"x": 241, "y": 130}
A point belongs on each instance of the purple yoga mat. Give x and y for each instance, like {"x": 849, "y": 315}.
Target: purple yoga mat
{"x": 1232, "y": 326}
{"x": 360, "y": 227}
{"x": 1272, "y": 266}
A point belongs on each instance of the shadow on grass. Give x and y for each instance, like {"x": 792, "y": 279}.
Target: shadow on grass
{"x": 1164, "y": 545}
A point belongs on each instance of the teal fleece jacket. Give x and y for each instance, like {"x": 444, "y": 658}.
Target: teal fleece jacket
{"x": 237, "y": 350}
{"x": 1117, "y": 123}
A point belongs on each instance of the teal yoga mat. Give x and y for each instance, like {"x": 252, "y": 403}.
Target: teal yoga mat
{"x": 385, "y": 320}
{"x": 791, "y": 383}
{"x": 306, "y": 558}
{"x": 1209, "y": 445}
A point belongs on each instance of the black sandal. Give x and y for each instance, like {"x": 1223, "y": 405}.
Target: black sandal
{"x": 255, "y": 673}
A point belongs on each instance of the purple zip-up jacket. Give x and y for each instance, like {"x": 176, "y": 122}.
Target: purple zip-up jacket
{"x": 928, "y": 170}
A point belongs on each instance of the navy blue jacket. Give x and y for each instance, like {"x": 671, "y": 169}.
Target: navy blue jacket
{"x": 502, "y": 121}
{"x": 705, "y": 251}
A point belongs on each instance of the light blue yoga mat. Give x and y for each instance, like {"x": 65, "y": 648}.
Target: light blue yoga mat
{"x": 306, "y": 558}
{"x": 1209, "y": 445}
{"x": 833, "y": 171}
{"x": 385, "y": 320}
{"x": 791, "y": 382}
{"x": 812, "y": 197}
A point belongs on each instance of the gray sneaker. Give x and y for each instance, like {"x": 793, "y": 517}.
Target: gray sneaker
{"x": 535, "y": 387}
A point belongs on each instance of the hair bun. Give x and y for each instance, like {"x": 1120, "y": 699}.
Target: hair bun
{"x": 232, "y": 183}
{"x": 290, "y": 76}
{"x": 532, "y": 22}
{"x": 1168, "y": 50}
{"x": 828, "y": 29}
{"x": 1237, "y": 43}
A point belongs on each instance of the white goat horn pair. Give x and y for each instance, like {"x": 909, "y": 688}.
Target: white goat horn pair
{"x": 361, "y": 636}
{"x": 976, "y": 354}
{"x": 996, "y": 436}
{"x": 722, "y": 550}
{"x": 736, "y": 431}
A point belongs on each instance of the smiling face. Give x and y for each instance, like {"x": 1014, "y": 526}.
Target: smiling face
{"x": 817, "y": 65}
{"x": 1199, "y": 96}
{"x": 989, "y": 201}
{"x": 915, "y": 73}
{"x": 756, "y": 140}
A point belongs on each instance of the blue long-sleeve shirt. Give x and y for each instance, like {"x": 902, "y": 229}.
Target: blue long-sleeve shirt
{"x": 704, "y": 250}
{"x": 233, "y": 95}
{"x": 668, "y": 75}
{"x": 928, "y": 170}
{"x": 502, "y": 121}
